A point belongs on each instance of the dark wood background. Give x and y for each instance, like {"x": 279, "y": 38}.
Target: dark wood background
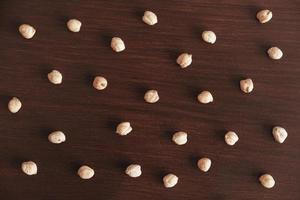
{"x": 88, "y": 117}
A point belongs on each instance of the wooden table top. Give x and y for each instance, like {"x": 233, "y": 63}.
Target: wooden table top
{"x": 89, "y": 117}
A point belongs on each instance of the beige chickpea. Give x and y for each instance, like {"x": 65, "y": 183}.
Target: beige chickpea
{"x": 205, "y": 97}
{"x": 267, "y": 181}
{"x": 170, "y": 180}
{"x": 184, "y": 60}
{"x": 14, "y": 105}
{"x": 279, "y": 134}
{"x": 55, "y": 77}
{"x": 85, "y": 172}
{"x": 150, "y": 18}
{"x": 100, "y": 83}
{"x": 275, "y": 53}
{"x": 151, "y": 96}
{"x": 204, "y": 164}
{"x": 134, "y": 170}
{"x": 247, "y": 85}
{"x": 209, "y": 37}
{"x": 264, "y": 16}
{"x": 117, "y": 44}
{"x": 57, "y": 137}
{"x": 124, "y": 128}
{"x": 180, "y": 138}
{"x": 27, "y": 31}
{"x": 231, "y": 138}
{"x": 74, "y": 25}
{"x": 29, "y": 168}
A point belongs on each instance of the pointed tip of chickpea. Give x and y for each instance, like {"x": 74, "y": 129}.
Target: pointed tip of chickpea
{"x": 150, "y": 18}
{"x": 117, "y": 44}
{"x": 27, "y": 31}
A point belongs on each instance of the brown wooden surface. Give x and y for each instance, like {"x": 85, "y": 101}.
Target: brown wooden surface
{"x": 88, "y": 117}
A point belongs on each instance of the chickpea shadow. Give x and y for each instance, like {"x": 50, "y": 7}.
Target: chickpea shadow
{"x": 45, "y": 131}
{"x": 112, "y": 123}
{"x": 74, "y": 166}
{"x": 192, "y": 92}
{"x": 160, "y": 174}
{"x": 4, "y": 101}
{"x": 122, "y": 164}
{"x": 197, "y": 30}
{"x": 167, "y": 135}
{"x": 219, "y": 134}
{"x": 267, "y": 128}
{"x": 16, "y": 161}
{"x": 106, "y": 39}
{"x": 193, "y": 159}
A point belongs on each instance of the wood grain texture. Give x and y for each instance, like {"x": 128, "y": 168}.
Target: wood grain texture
{"x": 88, "y": 117}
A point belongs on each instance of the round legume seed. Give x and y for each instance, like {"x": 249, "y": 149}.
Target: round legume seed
{"x": 247, "y": 85}
{"x": 123, "y": 128}
{"x": 55, "y": 77}
{"x": 184, "y": 60}
{"x": 205, "y": 97}
{"x": 85, "y": 172}
{"x": 231, "y": 138}
{"x": 151, "y": 96}
{"x": 150, "y": 18}
{"x": 279, "y": 134}
{"x": 100, "y": 83}
{"x": 74, "y": 25}
{"x": 27, "y": 31}
{"x": 29, "y": 168}
{"x": 267, "y": 180}
{"x": 117, "y": 44}
{"x": 170, "y": 180}
{"x": 14, "y": 105}
{"x": 264, "y": 16}
{"x": 180, "y": 138}
{"x": 275, "y": 53}
{"x": 209, "y": 37}
{"x": 204, "y": 164}
{"x": 134, "y": 170}
{"x": 57, "y": 137}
